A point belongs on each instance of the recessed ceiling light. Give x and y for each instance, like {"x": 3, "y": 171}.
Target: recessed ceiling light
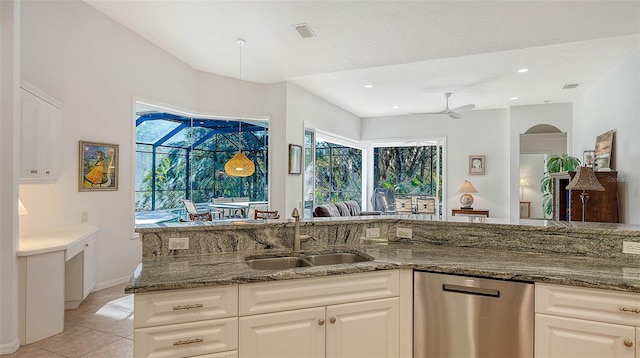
{"x": 368, "y": 86}
{"x": 513, "y": 98}
{"x": 523, "y": 70}
{"x": 395, "y": 107}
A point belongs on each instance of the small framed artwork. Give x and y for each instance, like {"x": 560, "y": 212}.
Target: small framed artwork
{"x": 476, "y": 164}
{"x": 98, "y": 169}
{"x": 603, "y": 151}
{"x": 295, "y": 159}
{"x": 525, "y": 209}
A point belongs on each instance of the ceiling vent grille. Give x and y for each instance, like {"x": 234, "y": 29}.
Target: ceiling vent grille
{"x": 570, "y": 85}
{"x": 304, "y": 30}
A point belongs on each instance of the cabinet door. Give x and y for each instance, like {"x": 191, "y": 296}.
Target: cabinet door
{"x": 89, "y": 267}
{"x": 567, "y": 337}
{"x": 294, "y": 334}
{"x": 364, "y": 329}
{"x": 39, "y": 138}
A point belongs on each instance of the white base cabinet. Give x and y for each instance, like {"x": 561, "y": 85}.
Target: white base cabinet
{"x": 354, "y": 315}
{"x": 583, "y": 322}
{"x": 362, "y": 329}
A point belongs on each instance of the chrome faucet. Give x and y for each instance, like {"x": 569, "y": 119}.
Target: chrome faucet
{"x": 297, "y": 238}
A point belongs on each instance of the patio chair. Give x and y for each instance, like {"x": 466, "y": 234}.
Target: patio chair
{"x": 426, "y": 205}
{"x": 384, "y": 200}
{"x": 265, "y": 214}
{"x": 222, "y": 200}
{"x": 404, "y": 206}
{"x": 193, "y": 213}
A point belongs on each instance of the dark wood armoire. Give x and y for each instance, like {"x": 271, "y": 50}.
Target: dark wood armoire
{"x": 602, "y": 206}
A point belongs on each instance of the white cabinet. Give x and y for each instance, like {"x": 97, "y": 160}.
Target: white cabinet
{"x": 364, "y": 322}
{"x": 582, "y": 322}
{"x": 186, "y": 323}
{"x": 298, "y": 333}
{"x": 40, "y": 133}
{"x": 42, "y": 295}
{"x": 80, "y": 272}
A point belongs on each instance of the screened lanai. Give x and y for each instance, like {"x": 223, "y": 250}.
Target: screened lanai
{"x": 181, "y": 157}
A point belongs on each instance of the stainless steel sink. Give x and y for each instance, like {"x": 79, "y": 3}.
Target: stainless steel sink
{"x": 287, "y": 262}
{"x": 336, "y": 258}
{"x": 277, "y": 263}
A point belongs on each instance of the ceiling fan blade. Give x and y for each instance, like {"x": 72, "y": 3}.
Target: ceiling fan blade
{"x": 441, "y": 112}
{"x": 467, "y": 107}
{"x": 455, "y": 115}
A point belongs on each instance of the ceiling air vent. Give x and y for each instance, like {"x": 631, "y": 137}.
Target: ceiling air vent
{"x": 570, "y": 85}
{"x": 304, "y": 30}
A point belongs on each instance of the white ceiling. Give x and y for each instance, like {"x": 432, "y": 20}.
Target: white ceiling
{"x": 411, "y": 51}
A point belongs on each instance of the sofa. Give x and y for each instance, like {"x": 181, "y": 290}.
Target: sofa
{"x": 341, "y": 208}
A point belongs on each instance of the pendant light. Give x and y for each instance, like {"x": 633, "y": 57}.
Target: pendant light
{"x": 239, "y": 165}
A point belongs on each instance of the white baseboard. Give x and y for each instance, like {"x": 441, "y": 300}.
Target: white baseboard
{"x": 10, "y": 348}
{"x": 111, "y": 283}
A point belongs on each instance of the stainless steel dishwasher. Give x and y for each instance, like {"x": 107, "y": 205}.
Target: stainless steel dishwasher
{"x": 468, "y": 317}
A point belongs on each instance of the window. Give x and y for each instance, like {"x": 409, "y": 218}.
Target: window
{"x": 409, "y": 170}
{"x": 179, "y": 157}
{"x": 338, "y": 174}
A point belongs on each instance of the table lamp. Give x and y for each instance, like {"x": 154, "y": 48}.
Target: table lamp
{"x": 585, "y": 179}
{"x": 523, "y": 182}
{"x": 466, "y": 199}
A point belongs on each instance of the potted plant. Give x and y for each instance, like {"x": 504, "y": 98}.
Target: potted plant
{"x": 554, "y": 164}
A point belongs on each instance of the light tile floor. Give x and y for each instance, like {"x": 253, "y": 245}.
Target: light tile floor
{"x": 101, "y": 327}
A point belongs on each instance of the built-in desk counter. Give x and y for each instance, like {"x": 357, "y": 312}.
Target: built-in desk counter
{"x": 56, "y": 272}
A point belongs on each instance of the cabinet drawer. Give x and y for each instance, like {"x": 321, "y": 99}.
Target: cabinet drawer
{"x": 288, "y": 295}
{"x": 158, "y": 308}
{"x": 187, "y": 339}
{"x": 588, "y": 303}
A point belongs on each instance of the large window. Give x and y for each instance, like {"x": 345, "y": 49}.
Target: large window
{"x": 338, "y": 173}
{"x": 178, "y": 157}
{"x": 409, "y": 170}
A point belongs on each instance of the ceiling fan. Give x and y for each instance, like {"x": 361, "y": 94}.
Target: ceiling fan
{"x": 453, "y": 113}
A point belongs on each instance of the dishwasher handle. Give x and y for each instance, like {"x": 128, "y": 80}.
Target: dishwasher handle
{"x": 478, "y": 291}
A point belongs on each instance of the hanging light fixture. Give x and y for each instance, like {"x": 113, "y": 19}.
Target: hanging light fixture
{"x": 239, "y": 165}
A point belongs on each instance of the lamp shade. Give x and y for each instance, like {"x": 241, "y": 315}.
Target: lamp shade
{"x": 239, "y": 166}
{"x": 585, "y": 179}
{"x": 466, "y": 187}
{"x": 21, "y": 209}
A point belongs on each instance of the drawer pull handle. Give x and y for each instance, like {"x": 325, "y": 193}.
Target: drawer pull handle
{"x": 188, "y": 341}
{"x": 633, "y": 310}
{"x": 332, "y": 320}
{"x": 321, "y": 321}
{"x": 188, "y": 307}
{"x": 628, "y": 343}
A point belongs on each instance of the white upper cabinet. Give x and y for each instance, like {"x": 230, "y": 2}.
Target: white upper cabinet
{"x": 40, "y": 133}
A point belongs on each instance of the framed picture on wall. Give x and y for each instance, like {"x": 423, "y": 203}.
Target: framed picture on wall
{"x": 603, "y": 152}
{"x": 476, "y": 164}
{"x": 98, "y": 169}
{"x": 295, "y": 159}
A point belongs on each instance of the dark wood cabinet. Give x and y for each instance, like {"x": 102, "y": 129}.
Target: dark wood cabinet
{"x": 602, "y": 206}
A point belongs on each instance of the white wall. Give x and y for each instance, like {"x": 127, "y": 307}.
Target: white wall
{"x": 614, "y": 103}
{"x": 95, "y": 67}
{"x": 9, "y": 130}
{"x": 480, "y": 132}
{"x": 305, "y": 109}
{"x": 531, "y": 169}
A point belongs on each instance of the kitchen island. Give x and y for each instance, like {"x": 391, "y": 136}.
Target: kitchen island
{"x": 258, "y": 312}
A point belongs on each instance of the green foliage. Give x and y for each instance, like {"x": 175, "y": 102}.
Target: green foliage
{"x": 338, "y": 173}
{"x": 554, "y": 164}
{"x": 408, "y": 170}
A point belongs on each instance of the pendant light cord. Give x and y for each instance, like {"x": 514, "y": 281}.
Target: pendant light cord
{"x": 241, "y": 43}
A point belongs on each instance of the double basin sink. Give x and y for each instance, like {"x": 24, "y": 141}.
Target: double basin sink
{"x": 287, "y": 262}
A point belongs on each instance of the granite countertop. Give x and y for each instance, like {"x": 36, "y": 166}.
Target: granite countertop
{"x": 169, "y": 273}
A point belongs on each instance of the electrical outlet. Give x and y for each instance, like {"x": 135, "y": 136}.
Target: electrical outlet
{"x": 84, "y": 217}
{"x": 178, "y": 243}
{"x": 629, "y": 247}
{"x": 404, "y": 233}
{"x": 372, "y": 232}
